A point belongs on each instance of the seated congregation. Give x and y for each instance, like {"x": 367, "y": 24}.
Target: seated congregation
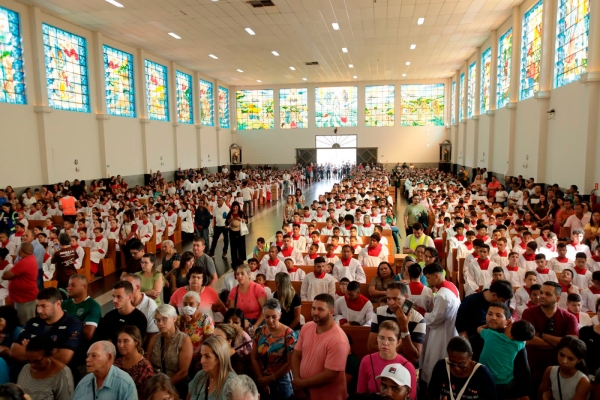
{"x": 491, "y": 295}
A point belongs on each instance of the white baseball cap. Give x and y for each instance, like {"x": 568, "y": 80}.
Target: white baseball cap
{"x": 397, "y": 373}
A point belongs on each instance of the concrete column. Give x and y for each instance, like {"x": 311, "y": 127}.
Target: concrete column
{"x": 99, "y": 106}
{"x": 39, "y": 94}
{"x": 140, "y": 87}
{"x": 515, "y": 86}
{"x": 494, "y": 73}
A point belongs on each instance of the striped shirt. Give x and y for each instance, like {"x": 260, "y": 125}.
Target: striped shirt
{"x": 416, "y": 323}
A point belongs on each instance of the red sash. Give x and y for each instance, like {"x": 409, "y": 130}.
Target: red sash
{"x": 450, "y": 286}
{"x": 374, "y": 252}
{"x": 273, "y": 263}
{"x": 459, "y": 237}
{"x": 596, "y": 258}
{"x": 416, "y": 288}
{"x": 287, "y": 252}
{"x": 484, "y": 265}
{"x": 293, "y": 269}
{"x": 323, "y": 273}
{"x": 594, "y": 290}
{"x": 529, "y": 257}
{"x": 294, "y": 237}
{"x": 313, "y": 256}
{"x": 503, "y": 253}
{"x": 366, "y": 225}
{"x": 468, "y": 245}
{"x": 356, "y": 304}
{"x": 3, "y": 265}
{"x": 513, "y": 269}
{"x": 563, "y": 260}
{"x": 580, "y": 272}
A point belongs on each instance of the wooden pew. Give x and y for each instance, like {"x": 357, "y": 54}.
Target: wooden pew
{"x": 33, "y": 223}
{"x": 306, "y": 310}
{"x": 364, "y": 290}
{"x": 360, "y": 339}
{"x": 177, "y": 233}
{"x": 295, "y": 284}
{"x": 85, "y": 266}
{"x": 57, "y": 220}
{"x": 398, "y": 261}
{"x": 150, "y": 246}
{"x": 108, "y": 265}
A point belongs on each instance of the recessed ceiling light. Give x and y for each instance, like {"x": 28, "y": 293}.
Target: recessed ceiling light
{"x": 350, "y": 65}
{"x": 115, "y": 3}
{"x": 335, "y": 26}
{"x": 250, "y": 31}
{"x": 174, "y": 35}
{"x": 408, "y": 63}
{"x": 213, "y": 56}
{"x": 345, "y": 50}
{"x": 214, "y": 1}
{"x": 276, "y": 54}
{"x": 355, "y": 77}
{"x": 292, "y": 68}
{"x": 304, "y": 79}
{"x": 420, "y": 21}
{"x": 403, "y": 74}
{"x": 239, "y": 70}
{"x": 413, "y": 46}
{"x": 259, "y": 81}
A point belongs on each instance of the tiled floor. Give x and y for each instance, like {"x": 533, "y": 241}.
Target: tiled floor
{"x": 266, "y": 221}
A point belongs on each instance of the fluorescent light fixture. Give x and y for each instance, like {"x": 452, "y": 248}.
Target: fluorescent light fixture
{"x": 276, "y": 54}
{"x": 335, "y": 26}
{"x": 239, "y": 70}
{"x": 115, "y": 3}
{"x": 174, "y": 35}
{"x": 259, "y": 81}
{"x": 344, "y": 50}
{"x": 304, "y": 79}
{"x": 250, "y": 31}
{"x": 292, "y": 68}
{"x": 213, "y": 56}
{"x": 408, "y": 63}
{"x": 420, "y": 21}
{"x": 413, "y": 46}
{"x": 355, "y": 77}
{"x": 403, "y": 74}
{"x": 350, "y": 65}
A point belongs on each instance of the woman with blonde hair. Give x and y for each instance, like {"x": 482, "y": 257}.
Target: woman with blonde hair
{"x": 232, "y": 333}
{"x": 129, "y": 344}
{"x": 216, "y": 371}
{"x": 290, "y": 301}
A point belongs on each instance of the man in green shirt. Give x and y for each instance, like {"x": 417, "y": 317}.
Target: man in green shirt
{"x": 82, "y": 306}
{"x": 412, "y": 213}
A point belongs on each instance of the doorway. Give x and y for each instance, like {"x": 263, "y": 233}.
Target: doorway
{"x": 336, "y": 156}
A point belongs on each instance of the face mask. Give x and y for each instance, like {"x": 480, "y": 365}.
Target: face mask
{"x": 187, "y": 310}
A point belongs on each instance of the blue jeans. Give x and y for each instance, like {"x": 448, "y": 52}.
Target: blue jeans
{"x": 281, "y": 388}
{"x": 203, "y": 234}
{"x": 396, "y": 235}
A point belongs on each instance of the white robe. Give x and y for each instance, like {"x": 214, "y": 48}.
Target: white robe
{"x": 270, "y": 271}
{"x": 296, "y": 256}
{"x": 372, "y": 261}
{"x": 161, "y": 226}
{"x": 187, "y": 221}
{"x": 99, "y": 249}
{"x": 440, "y": 329}
{"x": 364, "y": 316}
{"x": 171, "y": 221}
{"x": 354, "y": 271}
{"x": 146, "y": 231}
{"x": 312, "y": 286}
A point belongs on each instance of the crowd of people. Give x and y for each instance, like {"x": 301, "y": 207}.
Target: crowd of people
{"x": 430, "y": 335}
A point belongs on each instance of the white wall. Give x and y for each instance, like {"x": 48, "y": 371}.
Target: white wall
{"x": 483, "y": 141}
{"x": 500, "y": 140}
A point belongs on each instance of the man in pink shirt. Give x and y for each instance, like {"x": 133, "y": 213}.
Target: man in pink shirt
{"x": 319, "y": 359}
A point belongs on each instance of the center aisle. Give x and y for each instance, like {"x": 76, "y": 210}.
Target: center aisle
{"x": 267, "y": 220}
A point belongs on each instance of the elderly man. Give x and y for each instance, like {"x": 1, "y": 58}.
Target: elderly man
{"x": 240, "y": 387}
{"x": 104, "y": 381}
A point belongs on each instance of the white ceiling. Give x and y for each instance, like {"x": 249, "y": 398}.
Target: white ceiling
{"x": 378, "y": 35}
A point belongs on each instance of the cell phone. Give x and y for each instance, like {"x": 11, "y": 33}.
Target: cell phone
{"x": 407, "y": 306}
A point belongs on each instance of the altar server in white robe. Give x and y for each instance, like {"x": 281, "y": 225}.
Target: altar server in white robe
{"x": 270, "y": 264}
{"x": 317, "y": 282}
{"x": 353, "y": 308}
{"x": 349, "y": 267}
{"x": 171, "y": 220}
{"x": 98, "y": 249}
{"x": 287, "y": 251}
{"x": 187, "y": 220}
{"x": 373, "y": 254}
{"x": 145, "y": 230}
{"x": 440, "y": 321}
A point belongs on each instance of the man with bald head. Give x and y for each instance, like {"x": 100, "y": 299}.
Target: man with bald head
{"x": 22, "y": 285}
{"x": 104, "y": 381}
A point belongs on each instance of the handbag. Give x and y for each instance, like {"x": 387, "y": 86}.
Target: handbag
{"x": 244, "y": 229}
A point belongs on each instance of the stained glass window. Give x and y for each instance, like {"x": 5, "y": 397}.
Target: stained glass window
{"x": 12, "y": 75}
{"x": 531, "y": 51}
{"x": 118, "y": 81}
{"x": 207, "y": 100}
{"x": 461, "y": 95}
{"x": 336, "y": 106}
{"x": 379, "y": 105}
{"x": 157, "y": 91}
{"x": 224, "y": 107}
{"x": 453, "y": 102}
{"x": 471, "y": 90}
{"x": 293, "y": 108}
{"x": 573, "y": 27}
{"x": 504, "y": 68}
{"x": 486, "y": 69}
{"x": 183, "y": 85}
{"x": 422, "y": 105}
{"x": 66, "y": 70}
{"x": 255, "y": 109}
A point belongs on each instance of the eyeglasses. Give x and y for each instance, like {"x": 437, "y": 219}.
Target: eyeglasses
{"x": 384, "y": 339}
{"x": 456, "y": 365}
{"x": 160, "y": 320}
